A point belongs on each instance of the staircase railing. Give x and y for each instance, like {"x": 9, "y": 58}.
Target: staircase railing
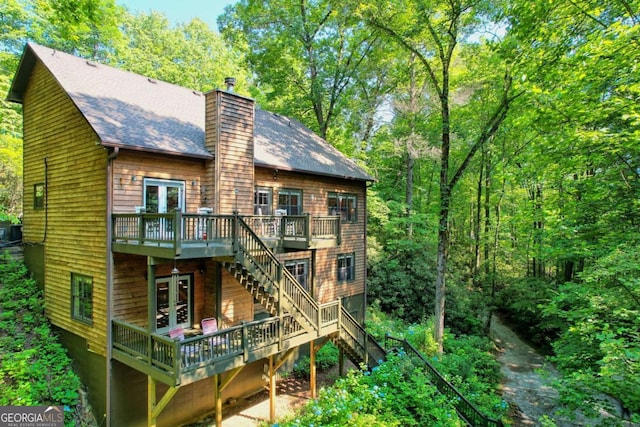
{"x": 466, "y": 410}
{"x": 278, "y": 280}
{"x": 365, "y": 347}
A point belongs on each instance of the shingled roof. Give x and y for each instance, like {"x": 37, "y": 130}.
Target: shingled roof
{"x": 129, "y": 110}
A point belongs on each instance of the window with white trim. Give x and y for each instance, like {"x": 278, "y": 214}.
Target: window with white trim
{"x": 262, "y": 201}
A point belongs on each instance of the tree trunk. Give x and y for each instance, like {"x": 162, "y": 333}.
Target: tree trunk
{"x": 445, "y": 201}
{"x": 487, "y": 212}
{"x": 476, "y": 227}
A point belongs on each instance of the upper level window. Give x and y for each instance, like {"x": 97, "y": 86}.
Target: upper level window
{"x": 299, "y": 268}
{"x": 38, "y": 195}
{"x": 345, "y": 205}
{"x": 291, "y": 201}
{"x": 262, "y": 201}
{"x": 346, "y": 267}
{"x": 82, "y": 297}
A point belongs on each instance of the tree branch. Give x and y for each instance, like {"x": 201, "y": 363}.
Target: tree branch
{"x": 489, "y": 131}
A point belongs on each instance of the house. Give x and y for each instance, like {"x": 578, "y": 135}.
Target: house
{"x": 151, "y": 207}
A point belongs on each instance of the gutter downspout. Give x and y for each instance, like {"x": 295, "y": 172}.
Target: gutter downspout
{"x": 109, "y": 296}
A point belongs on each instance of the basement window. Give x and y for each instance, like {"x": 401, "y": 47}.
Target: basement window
{"x": 82, "y": 298}
{"x": 38, "y": 196}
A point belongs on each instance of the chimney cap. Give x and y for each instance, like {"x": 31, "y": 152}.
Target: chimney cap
{"x": 230, "y": 82}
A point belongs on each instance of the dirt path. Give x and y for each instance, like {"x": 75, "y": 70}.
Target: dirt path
{"x": 527, "y": 379}
{"x": 527, "y": 392}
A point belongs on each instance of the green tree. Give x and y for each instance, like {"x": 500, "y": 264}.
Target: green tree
{"x": 433, "y": 32}
{"x": 190, "y": 55}
{"x": 307, "y": 56}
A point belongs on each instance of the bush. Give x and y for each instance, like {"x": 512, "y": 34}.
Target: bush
{"x": 34, "y": 368}
{"x": 522, "y": 305}
{"x": 393, "y": 394}
{"x": 326, "y": 358}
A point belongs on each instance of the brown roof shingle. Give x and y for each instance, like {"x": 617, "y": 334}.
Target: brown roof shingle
{"x": 132, "y": 111}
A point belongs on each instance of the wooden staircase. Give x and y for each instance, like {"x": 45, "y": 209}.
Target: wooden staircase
{"x": 258, "y": 270}
{"x": 253, "y": 286}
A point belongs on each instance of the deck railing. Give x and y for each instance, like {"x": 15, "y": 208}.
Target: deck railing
{"x": 172, "y": 358}
{"x": 175, "y": 227}
{"x": 295, "y": 227}
{"x": 467, "y": 411}
{"x": 276, "y": 279}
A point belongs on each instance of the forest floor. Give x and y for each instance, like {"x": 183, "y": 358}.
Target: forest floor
{"x": 527, "y": 381}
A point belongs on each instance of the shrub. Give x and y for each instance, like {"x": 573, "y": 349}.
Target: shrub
{"x": 34, "y": 368}
{"x": 395, "y": 393}
{"x": 326, "y": 358}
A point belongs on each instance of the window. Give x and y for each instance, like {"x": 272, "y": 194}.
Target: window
{"x": 346, "y": 267}
{"x": 38, "y": 196}
{"x": 291, "y": 201}
{"x": 82, "y": 298}
{"x": 344, "y": 205}
{"x": 299, "y": 269}
{"x": 262, "y": 201}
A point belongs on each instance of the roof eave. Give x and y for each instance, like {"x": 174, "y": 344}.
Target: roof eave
{"x": 289, "y": 169}
{"x": 150, "y": 150}
{"x": 21, "y": 77}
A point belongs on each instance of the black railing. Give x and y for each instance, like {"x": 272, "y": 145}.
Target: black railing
{"x": 466, "y": 410}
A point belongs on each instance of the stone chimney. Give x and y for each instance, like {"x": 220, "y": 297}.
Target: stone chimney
{"x": 229, "y": 127}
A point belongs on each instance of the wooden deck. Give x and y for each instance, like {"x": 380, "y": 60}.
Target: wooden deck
{"x": 200, "y": 356}
{"x": 176, "y": 234}
{"x": 298, "y": 317}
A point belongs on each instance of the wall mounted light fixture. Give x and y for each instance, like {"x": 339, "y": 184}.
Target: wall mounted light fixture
{"x": 275, "y": 174}
{"x": 134, "y": 178}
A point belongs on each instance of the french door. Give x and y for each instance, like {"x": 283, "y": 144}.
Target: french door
{"x": 163, "y": 195}
{"x": 173, "y": 302}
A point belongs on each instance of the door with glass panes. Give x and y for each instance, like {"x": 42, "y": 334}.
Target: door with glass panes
{"x": 162, "y": 196}
{"x": 173, "y": 302}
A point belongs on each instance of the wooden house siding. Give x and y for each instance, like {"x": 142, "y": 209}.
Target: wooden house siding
{"x": 315, "y": 190}
{"x": 237, "y": 303}
{"x": 130, "y": 301}
{"x": 229, "y": 127}
{"x": 58, "y": 138}
{"x": 128, "y": 193}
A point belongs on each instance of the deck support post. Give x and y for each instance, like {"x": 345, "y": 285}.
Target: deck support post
{"x": 312, "y": 368}
{"x": 272, "y": 391}
{"x": 340, "y": 362}
{"x": 154, "y": 408}
{"x": 217, "y": 395}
